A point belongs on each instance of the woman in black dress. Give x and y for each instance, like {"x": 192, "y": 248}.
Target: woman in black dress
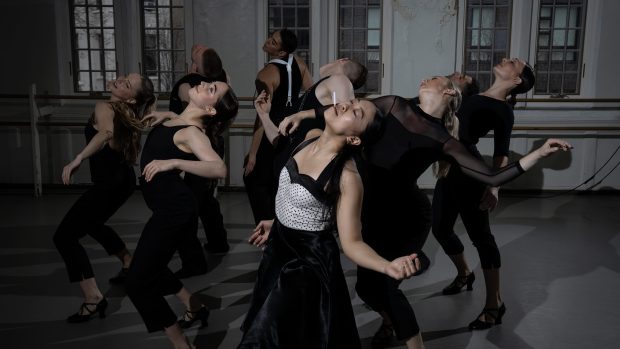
{"x": 177, "y": 145}
{"x": 300, "y": 299}
{"x": 113, "y": 143}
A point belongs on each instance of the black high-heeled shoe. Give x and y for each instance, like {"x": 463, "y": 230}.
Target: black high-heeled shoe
{"x": 459, "y": 282}
{"x": 383, "y": 337}
{"x": 86, "y": 312}
{"x": 495, "y": 314}
{"x": 190, "y": 317}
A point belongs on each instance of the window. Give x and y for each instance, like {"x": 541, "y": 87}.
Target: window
{"x": 359, "y": 38}
{"x": 163, "y": 40}
{"x": 559, "y": 46}
{"x": 295, "y": 16}
{"x": 93, "y": 42}
{"x": 487, "y": 38}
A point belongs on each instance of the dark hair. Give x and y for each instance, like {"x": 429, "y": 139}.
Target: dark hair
{"x": 212, "y": 67}
{"x": 127, "y": 120}
{"x": 226, "y": 109}
{"x": 473, "y": 88}
{"x": 357, "y": 73}
{"x": 289, "y": 40}
{"x": 528, "y": 79}
{"x": 370, "y": 135}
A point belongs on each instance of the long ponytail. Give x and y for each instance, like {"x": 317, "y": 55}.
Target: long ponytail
{"x": 127, "y": 121}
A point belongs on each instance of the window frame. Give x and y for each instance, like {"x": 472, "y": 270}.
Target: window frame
{"x": 583, "y": 39}
{"x": 128, "y": 45}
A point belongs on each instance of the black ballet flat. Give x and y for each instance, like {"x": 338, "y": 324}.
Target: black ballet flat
{"x": 190, "y": 317}
{"x": 89, "y": 312}
{"x": 383, "y": 337}
{"x": 495, "y": 314}
{"x": 460, "y": 282}
{"x": 119, "y": 279}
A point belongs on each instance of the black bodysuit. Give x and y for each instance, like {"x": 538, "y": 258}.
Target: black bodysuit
{"x": 261, "y": 184}
{"x": 411, "y": 141}
{"x": 173, "y": 220}
{"x": 459, "y": 194}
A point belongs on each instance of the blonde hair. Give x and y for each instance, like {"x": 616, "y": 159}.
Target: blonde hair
{"x": 451, "y": 122}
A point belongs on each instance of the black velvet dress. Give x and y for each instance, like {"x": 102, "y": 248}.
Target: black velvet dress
{"x": 301, "y": 299}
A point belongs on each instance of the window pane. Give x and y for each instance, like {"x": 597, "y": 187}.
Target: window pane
{"x": 108, "y": 17}
{"x": 487, "y": 38}
{"x": 93, "y": 46}
{"x": 95, "y": 61}
{"x": 359, "y": 38}
{"x": 560, "y": 27}
{"x": 294, "y": 15}
{"x": 178, "y": 18}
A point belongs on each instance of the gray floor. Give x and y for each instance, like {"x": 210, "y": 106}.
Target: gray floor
{"x": 561, "y": 280}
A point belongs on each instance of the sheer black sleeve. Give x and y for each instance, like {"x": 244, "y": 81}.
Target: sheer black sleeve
{"x": 476, "y": 168}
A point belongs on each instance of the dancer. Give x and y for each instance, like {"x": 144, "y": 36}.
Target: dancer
{"x": 177, "y": 145}
{"x": 113, "y": 143}
{"x": 333, "y": 78}
{"x": 282, "y": 78}
{"x": 458, "y": 194}
{"x": 206, "y": 66}
{"x": 300, "y": 299}
{"x": 413, "y": 138}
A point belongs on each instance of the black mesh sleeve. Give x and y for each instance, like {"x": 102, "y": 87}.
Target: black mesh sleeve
{"x": 476, "y": 168}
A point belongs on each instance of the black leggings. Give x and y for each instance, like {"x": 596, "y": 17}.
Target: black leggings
{"x": 397, "y": 228}
{"x": 458, "y": 194}
{"x": 261, "y": 184}
{"x": 87, "y": 217}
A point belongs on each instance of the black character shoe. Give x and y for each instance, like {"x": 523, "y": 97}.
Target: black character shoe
{"x": 88, "y": 311}
{"x": 460, "y": 282}
{"x": 190, "y": 317}
{"x": 120, "y": 278}
{"x": 492, "y": 317}
{"x": 383, "y": 337}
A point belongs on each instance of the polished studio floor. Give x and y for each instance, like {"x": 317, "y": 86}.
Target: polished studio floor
{"x": 561, "y": 279}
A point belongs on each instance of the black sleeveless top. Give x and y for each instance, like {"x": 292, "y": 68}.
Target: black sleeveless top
{"x": 160, "y": 145}
{"x": 104, "y": 163}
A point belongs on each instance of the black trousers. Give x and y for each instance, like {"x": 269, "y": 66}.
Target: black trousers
{"x": 397, "y": 228}
{"x": 261, "y": 184}
{"x": 458, "y": 194}
{"x": 88, "y": 216}
{"x": 149, "y": 278}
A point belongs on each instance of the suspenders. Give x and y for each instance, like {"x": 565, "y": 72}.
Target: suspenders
{"x": 290, "y": 76}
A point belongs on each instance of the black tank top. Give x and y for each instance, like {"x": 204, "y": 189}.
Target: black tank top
{"x": 104, "y": 163}
{"x": 160, "y": 145}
